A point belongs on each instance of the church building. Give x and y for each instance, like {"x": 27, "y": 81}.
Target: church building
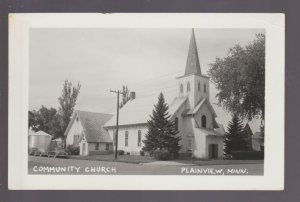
{"x": 194, "y": 116}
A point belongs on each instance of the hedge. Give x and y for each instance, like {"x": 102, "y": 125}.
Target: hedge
{"x": 121, "y": 152}
{"x": 163, "y": 155}
{"x": 73, "y": 150}
{"x": 248, "y": 155}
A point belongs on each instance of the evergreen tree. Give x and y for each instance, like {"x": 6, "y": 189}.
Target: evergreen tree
{"x": 235, "y": 139}
{"x": 161, "y": 131}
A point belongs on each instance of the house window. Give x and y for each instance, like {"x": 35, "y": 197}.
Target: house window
{"x": 199, "y": 86}
{"x": 107, "y": 147}
{"x": 97, "y": 146}
{"x": 75, "y": 139}
{"x": 139, "y": 138}
{"x": 176, "y": 123}
{"x": 204, "y": 88}
{"x": 203, "y": 121}
{"x": 181, "y": 88}
{"x": 77, "y": 119}
{"x": 126, "y": 138}
{"x": 188, "y": 87}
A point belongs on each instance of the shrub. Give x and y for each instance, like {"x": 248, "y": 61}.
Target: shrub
{"x": 163, "y": 155}
{"x": 127, "y": 153}
{"x": 185, "y": 156}
{"x": 247, "y": 155}
{"x": 121, "y": 152}
{"x": 142, "y": 153}
{"x": 73, "y": 150}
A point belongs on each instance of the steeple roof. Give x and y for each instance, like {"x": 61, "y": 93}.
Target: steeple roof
{"x": 192, "y": 63}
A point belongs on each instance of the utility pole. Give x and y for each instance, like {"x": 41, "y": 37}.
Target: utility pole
{"x": 117, "y": 124}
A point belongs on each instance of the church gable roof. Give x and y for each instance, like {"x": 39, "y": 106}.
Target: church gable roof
{"x": 192, "y": 63}
{"x": 176, "y": 105}
{"x": 208, "y": 132}
{"x": 135, "y": 112}
{"x": 138, "y": 111}
{"x": 202, "y": 102}
{"x": 92, "y": 124}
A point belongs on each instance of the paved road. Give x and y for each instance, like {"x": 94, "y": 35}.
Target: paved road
{"x": 45, "y": 165}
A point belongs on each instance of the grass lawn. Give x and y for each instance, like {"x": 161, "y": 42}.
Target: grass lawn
{"x": 121, "y": 158}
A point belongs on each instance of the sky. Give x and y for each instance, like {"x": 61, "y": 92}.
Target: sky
{"x": 146, "y": 60}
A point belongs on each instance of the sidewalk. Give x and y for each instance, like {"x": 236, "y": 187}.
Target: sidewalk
{"x": 166, "y": 163}
{"x": 220, "y": 162}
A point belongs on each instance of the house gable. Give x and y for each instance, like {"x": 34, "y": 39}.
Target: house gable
{"x": 74, "y": 128}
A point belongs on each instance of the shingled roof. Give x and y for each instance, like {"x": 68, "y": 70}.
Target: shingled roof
{"x": 192, "y": 63}
{"x": 138, "y": 111}
{"x": 92, "y": 124}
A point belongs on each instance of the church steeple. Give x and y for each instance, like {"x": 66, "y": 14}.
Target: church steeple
{"x": 193, "y": 84}
{"x": 192, "y": 63}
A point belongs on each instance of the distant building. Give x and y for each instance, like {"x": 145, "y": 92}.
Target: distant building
{"x": 194, "y": 116}
{"x": 254, "y": 137}
{"x": 248, "y": 136}
{"x": 258, "y": 142}
{"x": 57, "y": 144}
{"x": 86, "y": 131}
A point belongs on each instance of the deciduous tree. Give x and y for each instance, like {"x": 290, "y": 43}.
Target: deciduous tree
{"x": 67, "y": 102}
{"x": 240, "y": 79}
{"x": 47, "y": 120}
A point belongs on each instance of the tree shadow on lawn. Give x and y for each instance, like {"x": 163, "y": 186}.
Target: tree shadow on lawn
{"x": 203, "y": 162}
{"x": 135, "y": 159}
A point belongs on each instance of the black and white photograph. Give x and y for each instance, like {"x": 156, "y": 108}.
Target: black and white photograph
{"x": 136, "y": 101}
{"x": 191, "y": 101}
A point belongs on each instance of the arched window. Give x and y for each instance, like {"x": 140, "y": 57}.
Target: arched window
{"x": 188, "y": 87}
{"x": 203, "y": 121}
{"x": 176, "y": 123}
{"x": 139, "y": 138}
{"x": 204, "y": 88}
{"x": 199, "y": 86}
{"x": 181, "y": 88}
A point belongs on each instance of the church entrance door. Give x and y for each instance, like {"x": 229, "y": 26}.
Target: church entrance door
{"x": 213, "y": 151}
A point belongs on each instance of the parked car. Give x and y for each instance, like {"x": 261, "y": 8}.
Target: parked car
{"x": 37, "y": 153}
{"x": 32, "y": 151}
{"x": 43, "y": 153}
{"x": 58, "y": 154}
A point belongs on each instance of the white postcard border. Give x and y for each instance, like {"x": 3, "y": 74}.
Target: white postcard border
{"x": 18, "y": 177}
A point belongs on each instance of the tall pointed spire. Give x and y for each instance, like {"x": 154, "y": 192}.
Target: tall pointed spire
{"x": 192, "y": 63}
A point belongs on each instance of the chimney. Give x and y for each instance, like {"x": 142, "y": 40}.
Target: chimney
{"x": 132, "y": 95}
